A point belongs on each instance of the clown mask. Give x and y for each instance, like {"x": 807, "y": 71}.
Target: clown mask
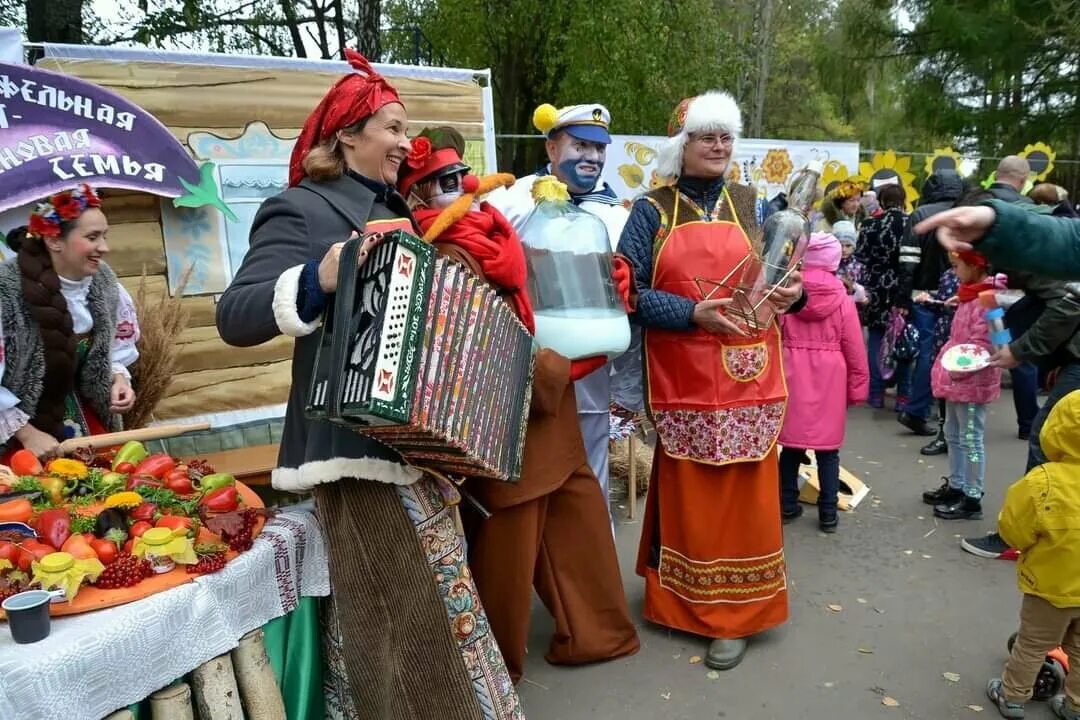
{"x": 577, "y": 163}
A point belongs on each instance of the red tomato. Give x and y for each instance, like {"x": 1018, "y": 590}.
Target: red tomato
{"x": 139, "y": 528}
{"x": 125, "y": 468}
{"x": 128, "y": 546}
{"x": 106, "y": 550}
{"x": 33, "y": 550}
{"x": 24, "y": 462}
{"x": 9, "y": 552}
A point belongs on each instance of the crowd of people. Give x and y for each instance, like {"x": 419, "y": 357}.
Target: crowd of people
{"x": 925, "y": 274}
{"x": 429, "y": 621}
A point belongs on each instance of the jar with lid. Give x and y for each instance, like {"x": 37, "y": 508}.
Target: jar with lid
{"x": 156, "y": 542}
{"x": 578, "y": 310}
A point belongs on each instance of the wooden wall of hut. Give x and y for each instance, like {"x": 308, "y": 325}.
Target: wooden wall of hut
{"x": 214, "y": 377}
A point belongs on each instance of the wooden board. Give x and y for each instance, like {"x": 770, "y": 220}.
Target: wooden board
{"x": 135, "y": 246}
{"x": 91, "y": 598}
{"x": 252, "y": 465}
{"x": 202, "y": 308}
{"x": 208, "y": 391}
{"x": 231, "y": 97}
{"x": 201, "y": 348}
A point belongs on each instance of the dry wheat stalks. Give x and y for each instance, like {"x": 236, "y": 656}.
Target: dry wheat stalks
{"x": 619, "y": 465}
{"x": 160, "y": 325}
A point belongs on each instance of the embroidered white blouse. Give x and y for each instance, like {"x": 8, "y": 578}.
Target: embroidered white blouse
{"x": 123, "y": 351}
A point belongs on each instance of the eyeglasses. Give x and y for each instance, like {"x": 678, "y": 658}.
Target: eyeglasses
{"x": 714, "y": 140}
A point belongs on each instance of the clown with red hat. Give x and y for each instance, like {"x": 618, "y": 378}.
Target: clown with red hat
{"x": 557, "y": 491}
{"x": 399, "y": 638}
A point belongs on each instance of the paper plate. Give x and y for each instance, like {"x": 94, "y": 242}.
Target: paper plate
{"x": 965, "y": 358}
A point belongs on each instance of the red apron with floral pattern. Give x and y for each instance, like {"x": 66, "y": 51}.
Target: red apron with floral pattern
{"x": 714, "y": 399}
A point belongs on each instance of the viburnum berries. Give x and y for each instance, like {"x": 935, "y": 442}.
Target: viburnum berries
{"x": 125, "y": 571}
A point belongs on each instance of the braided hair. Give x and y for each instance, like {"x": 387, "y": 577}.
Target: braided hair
{"x": 56, "y": 217}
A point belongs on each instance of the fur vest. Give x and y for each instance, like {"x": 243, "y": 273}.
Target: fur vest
{"x": 24, "y": 353}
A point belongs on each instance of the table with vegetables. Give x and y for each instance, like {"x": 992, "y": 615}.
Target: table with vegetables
{"x": 169, "y": 547}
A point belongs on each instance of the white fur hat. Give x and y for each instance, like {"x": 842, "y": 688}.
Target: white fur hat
{"x": 714, "y": 110}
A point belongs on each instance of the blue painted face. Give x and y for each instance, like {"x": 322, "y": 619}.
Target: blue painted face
{"x": 578, "y": 163}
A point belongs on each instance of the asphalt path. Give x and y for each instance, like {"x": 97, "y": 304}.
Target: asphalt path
{"x": 889, "y": 617}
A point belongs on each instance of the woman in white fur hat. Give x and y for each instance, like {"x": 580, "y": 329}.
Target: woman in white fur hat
{"x": 712, "y": 551}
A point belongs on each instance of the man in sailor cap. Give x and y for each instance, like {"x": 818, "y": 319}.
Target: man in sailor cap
{"x": 577, "y": 142}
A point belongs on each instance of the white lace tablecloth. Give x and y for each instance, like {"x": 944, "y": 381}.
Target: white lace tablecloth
{"x": 95, "y": 663}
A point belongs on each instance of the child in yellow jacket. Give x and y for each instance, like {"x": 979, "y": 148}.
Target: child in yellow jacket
{"x": 1041, "y": 518}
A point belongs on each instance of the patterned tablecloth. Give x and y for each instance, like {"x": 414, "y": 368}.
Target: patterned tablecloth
{"x": 95, "y": 663}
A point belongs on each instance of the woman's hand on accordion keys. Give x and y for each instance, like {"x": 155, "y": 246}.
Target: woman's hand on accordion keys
{"x": 328, "y": 266}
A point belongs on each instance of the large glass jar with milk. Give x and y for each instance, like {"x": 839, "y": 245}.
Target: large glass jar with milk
{"x": 578, "y": 310}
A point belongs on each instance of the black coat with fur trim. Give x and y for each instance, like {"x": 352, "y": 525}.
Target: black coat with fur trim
{"x": 291, "y": 229}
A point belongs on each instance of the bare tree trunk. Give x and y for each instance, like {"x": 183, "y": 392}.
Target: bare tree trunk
{"x": 764, "y": 50}
{"x": 54, "y": 21}
{"x": 320, "y": 24}
{"x": 289, "y": 10}
{"x": 339, "y": 26}
{"x": 368, "y": 17}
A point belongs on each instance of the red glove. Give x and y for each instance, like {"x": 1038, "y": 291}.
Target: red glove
{"x": 622, "y": 273}
{"x": 584, "y": 366}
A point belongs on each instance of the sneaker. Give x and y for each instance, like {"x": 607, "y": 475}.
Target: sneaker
{"x": 996, "y": 693}
{"x": 1060, "y": 705}
{"x": 937, "y": 446}
{"x": 787, "y": 516}
{"x": 916, "y": 424}
{"x": 967, "y": 508}
{"x": 990, "y": 546}
{"x": 828, "y": 523}
{"x": 943, "y": 495}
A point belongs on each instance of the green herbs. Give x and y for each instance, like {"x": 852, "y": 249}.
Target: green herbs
{"x": 26, "y": 484}
{"x": 168, "y": 500}
{"x": 82, "y": 524}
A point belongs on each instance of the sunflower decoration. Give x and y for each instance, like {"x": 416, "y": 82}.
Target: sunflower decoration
{"x": 733, "y": 175}
{"x": 943, "y": 159}
{"x": 1040, "y": 157}
{"x": 886, "y": 167}
{"x": 777, "y": 166}
{"x": 633, "y": 175}
{"x": 832, "y": 174}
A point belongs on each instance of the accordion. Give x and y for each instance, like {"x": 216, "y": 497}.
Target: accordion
{"x": 424, "y": 356}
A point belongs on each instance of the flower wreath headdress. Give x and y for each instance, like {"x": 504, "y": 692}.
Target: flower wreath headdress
{"x": 47, "y": 217}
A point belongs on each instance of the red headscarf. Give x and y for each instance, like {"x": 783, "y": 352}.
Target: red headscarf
{"x": 351, "y": 99}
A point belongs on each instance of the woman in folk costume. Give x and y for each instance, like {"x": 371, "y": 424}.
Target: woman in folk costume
{"x": 68, "y": 329}
{"x": 415, "y": 642}
{"x": 550, "y": 530}
{"x": 711, "y": 547}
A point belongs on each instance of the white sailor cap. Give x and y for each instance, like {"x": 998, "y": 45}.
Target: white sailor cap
{"x": 585, "y": 122}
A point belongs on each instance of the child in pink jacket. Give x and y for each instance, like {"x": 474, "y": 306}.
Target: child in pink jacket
{"x": 966, "y": 394}
{"x": 826, "y": 369}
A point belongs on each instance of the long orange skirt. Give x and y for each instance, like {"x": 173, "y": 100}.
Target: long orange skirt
{"x": 712, "y": 548}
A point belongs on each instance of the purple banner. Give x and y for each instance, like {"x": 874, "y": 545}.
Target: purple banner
{"x": 57, "y": 131}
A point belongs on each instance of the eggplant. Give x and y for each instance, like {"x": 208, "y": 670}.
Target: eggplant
{"x": 110, "y": 519}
